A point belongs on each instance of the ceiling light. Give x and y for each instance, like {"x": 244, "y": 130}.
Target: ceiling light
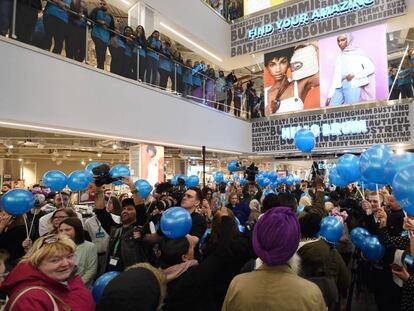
{"x": 90, "y": 160}
{"x": 83, "y": 162}
{"x": 20, "y": 159}
{"x": 99, "y": 154}
{"x": 190, "y": 41}
{"x": 115, "y": 146}
{"x": 10, "y": 146}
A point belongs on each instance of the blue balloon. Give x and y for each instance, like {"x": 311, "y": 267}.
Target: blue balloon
{"x": 289, "y": 180}
{"x": 243, "y": 181}
{"x": 272, "y": 176}
{"x": 118, "y": 171}
{"x": 17, "y": 201}
{"x": 335, "y": 179}
{"x": 300, "y": 208}
{"x": 274, "y": 185}
{"x": 91, "y": 166}
{"x": 218, "y": 177}
{"x": 259, "y": 179}
{"x": 100, "y": 284}
{"x": 233, "y": 166}
{"x": 176, "y": 222}
{"x": 55, "y": 180}
{"x": 372, "y": 163}
{"x": 348, "y": 168}
{"x": 192, "y": 181}
{"x": 331, "y": 229}
{"x": 372, "y": 248}
{"x": 304, "y": 140}
{"x": 283, "y": 179}
{"x": 297, "y": 179}
{"x": 144, "y": 188}
{"x": 396, "y": 163}
{"x": 403, "y": 186}
{"x": 236, "y": 177}
{"x": 79, "y": 180}
{"x": 358, "y": 236}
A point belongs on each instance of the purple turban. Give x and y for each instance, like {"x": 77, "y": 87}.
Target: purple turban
{"x": 276, "y": 236}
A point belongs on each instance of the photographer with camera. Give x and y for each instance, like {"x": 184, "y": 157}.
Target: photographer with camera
{"x": 126, "y": 246}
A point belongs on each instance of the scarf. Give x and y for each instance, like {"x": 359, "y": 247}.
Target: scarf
{"x": 175, "y": 271}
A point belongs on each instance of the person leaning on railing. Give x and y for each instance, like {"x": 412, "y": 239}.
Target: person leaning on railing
{"x": 179, "y": 63}
{"x": 56, "y": 19}
{"x": 140, "y": 49}
{"x": 128, "y": 69}
{"x": 117, "y": 50}
{"x": 154, "y": 47}
{"x": 197, "y": 90}
{"x": 75, "y": 44}
{"x": 102, "y": 31}
{"x": 166, "y": 65}
{"x": 187, "y": 77}
{"x": 220, "y": 92}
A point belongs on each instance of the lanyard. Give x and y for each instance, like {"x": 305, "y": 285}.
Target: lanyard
{"x": 118, "y": 240}
{"x": 99, "y": 225}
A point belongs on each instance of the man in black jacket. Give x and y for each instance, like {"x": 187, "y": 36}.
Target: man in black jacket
{"x": 125, "y": 246}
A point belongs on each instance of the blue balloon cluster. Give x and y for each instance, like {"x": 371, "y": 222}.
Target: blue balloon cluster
{"x": 396, "y": 163}
{"x": 369, "y": 244}
{"x": 372, "y": 163}
{"x": 348, "y": 168}
{"x": 79, "y": 180}
{"x": 304, "y": 140}
{"x": 331, "y": 229}
{"x": 233, "y": 166}
{"x": 17, "y": 201}
{"x": 336, "y": 179}
{"x": 144, "y": 188}
{"x": 55, "y": 180}
{"x": 403, "y": 186}
{"x": 176, "y": 222}
{"x": 118, "y": 171}
{"x": 192, "y": 181}
{"x": 218, "y": 177}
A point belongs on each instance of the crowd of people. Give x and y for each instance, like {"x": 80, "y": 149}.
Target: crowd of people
{"x": 404, "y": 81}
{"x": 249, "y": 248}
{"x": 63, "y": 26}
{"x": 229, "y": 9}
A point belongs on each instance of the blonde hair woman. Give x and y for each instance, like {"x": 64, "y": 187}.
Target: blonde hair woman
{"x": 45, "y": 279}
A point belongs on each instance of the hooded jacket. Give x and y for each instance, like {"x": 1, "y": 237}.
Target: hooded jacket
{"x": 74, "y": 293}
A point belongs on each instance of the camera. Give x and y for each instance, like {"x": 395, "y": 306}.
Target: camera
{"x": 251, "y": 172}
{"x": 169, "y": 196}
{"x": 101, "y": 175}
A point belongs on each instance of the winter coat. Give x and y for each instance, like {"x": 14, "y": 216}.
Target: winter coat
{"x": 273, "y": 288}
{"x": 320, "y": 259}
{"x": 74, "y": 293}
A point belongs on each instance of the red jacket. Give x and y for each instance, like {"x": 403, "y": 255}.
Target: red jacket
{"x": 74, "y": 294}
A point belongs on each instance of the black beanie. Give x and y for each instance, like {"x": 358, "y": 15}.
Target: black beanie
{"x": 136, "y": 289}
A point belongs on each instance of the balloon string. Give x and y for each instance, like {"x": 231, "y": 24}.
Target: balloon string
{"x": 363, "y": 190}
{"x": 378, "y": 197}
{"x": 31, "y": 225}
{"x": 362, "y": 196}
{"x": 25, "y": 224}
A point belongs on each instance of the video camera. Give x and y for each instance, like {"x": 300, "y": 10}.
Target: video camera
{"x": 250, "y": 171}
{"x": 169, "y": 195}
{"x": 101, "y": 175}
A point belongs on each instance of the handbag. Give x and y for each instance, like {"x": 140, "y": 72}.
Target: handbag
{"x": 55, "y": 299}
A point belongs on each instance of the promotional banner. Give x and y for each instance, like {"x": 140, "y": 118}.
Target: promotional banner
{"x": 347, "y": 68}
{"x": 305, "y": 20}
{"x": 152, "y": 163}
{"x": 336, "y": 129}
{"x": 291, "y": 79}
{"x": 354, "y": 67}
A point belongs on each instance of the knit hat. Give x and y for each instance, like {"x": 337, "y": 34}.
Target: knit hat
{"x": 136, "y": 289}
{"x": 276, "y": 236}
